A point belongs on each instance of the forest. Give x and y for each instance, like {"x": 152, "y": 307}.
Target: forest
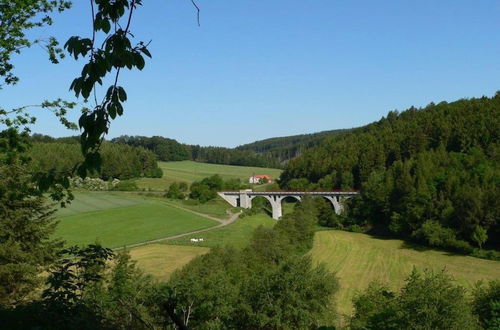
{"x": 429, "y": 174}
{"x": 118, "y": 161}
{"x": 287, "y": 147}
{"x": 170, "y": 150}
{"x": 272, "y": 152}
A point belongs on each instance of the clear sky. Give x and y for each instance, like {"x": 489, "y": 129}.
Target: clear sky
{"x": 257, "y": 69}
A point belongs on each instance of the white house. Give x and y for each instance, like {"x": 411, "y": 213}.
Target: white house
{"x": 260, "y": 178}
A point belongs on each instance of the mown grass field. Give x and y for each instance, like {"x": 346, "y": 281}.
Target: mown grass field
{"x": 237, "y": 234}
{"x": 96, "y": 201}
{"x": 216, "y": 208}
{"x": 189, "y": 171}
{"x": 117, "y": 220}
{"x": 161, "y": 260}
{"x": 359, "y": 259}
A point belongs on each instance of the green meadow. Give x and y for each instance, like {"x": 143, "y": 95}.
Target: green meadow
{"x": 236, "y": 234}
{"x": 359, "y": 259}
{"x": 117, "y": 220}
{"x": 189, "y": 171}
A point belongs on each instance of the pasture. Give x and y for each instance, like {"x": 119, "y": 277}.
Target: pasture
{"x": 237, "y": 234}
{"x": 359, "y": 259}
{"x": 217, "y": 208}
{"x": 117, "y": 220}
{"x": 189, "y": 171}
{"x": 161, "y": 260}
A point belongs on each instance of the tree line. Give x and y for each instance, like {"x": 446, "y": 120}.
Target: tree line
{"x": 205, "y": 189}
{"x": 429, "y": 174}
{"x": 287, "y": 147}
{"x": 118, "y": 161}
{"x": 171, "y": 150}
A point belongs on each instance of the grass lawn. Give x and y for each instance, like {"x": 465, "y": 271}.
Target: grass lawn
{"x": 359, "y": 259}
{"x": 87, "y": 201}
{"x": 118, "y": 220}
{"x": 189, "y": 171}
{"x": 161, "y": 260}
{"x": 217, "y": 208}
{"x": 237, "y": 234}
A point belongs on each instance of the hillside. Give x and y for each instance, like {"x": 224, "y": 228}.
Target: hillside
{"x": 429, "y": 174}
{"x": 288, "y": 147}
{"x": 171, "y": 150}
{"x": 190, "y": 171}
{"x": 358, "y": 259}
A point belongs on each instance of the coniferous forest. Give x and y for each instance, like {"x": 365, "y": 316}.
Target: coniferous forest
{"x": 170, "y": 150}
{"x": 429, "y": 174}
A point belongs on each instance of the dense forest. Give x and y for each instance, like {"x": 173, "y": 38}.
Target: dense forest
{"x": 430, "y": 174}
{"x": 171, "y": 150}
{"x": 287, "y": 147}
{"x": 118, "y": 161}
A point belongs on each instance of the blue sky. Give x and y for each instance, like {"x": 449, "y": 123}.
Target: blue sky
{"x": 258, "y": 69}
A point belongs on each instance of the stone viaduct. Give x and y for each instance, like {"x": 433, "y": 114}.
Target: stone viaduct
{"x": 243, "y": 198}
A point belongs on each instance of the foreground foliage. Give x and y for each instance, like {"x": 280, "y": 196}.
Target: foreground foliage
{"x": 427, "y": 301}
{"x": 26, "y": 225}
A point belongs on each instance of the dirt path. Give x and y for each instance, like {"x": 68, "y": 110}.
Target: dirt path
{"x": 222, "y": 223}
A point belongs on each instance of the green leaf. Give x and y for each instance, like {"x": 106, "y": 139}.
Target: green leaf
{"x": 139, "y": 61}
{"x": 146, "y": 52}
{"x": 121, "y": 94}
{"x": 105, "y": 26}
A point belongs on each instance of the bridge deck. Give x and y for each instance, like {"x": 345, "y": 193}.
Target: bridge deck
{"x": 332, "y": 192}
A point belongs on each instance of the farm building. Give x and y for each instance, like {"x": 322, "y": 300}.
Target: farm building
{"x": 260, "y": 178}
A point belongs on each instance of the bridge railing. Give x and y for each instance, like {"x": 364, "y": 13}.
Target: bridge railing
{"x": 304, "y": 192}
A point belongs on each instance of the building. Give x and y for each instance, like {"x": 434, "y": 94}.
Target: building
{"x": 260, "y": 178}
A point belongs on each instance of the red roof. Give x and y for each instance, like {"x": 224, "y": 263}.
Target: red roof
{"x": 262, "y": 176}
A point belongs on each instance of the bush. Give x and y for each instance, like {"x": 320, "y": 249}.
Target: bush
{"x": 427, "y": 301}
{"x": 154, "y": 173}
{"x": 355, "y": 229}
{"x": 486, "y": 254}
{"x": 436, "y": 235}
{"x": 174, "y": 192}
{"x": 486, "y": 304}
{"x": 128, "y": 185}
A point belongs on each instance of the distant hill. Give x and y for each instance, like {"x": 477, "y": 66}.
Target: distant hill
{"x": 172, "y": 150}
{"x": 272, "y": 152}
{"x": 288, "y": 147}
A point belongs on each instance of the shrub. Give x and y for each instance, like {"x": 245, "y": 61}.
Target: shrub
{"x": 427, "y": 301}
{"x": 486, "y": 304}
{"x": 127, "y": 185}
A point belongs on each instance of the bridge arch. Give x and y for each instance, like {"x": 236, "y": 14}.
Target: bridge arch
{"x": 336, "y": 203}
{"x": 288, "y": 202}
{"x": 254, "y": 201}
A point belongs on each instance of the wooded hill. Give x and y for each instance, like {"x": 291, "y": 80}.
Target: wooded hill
{"x": 431, "y": 174}
{"x": 170, "y": 150}
{"x": 272, "y": 152}
{"x": 287, "y": 147}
